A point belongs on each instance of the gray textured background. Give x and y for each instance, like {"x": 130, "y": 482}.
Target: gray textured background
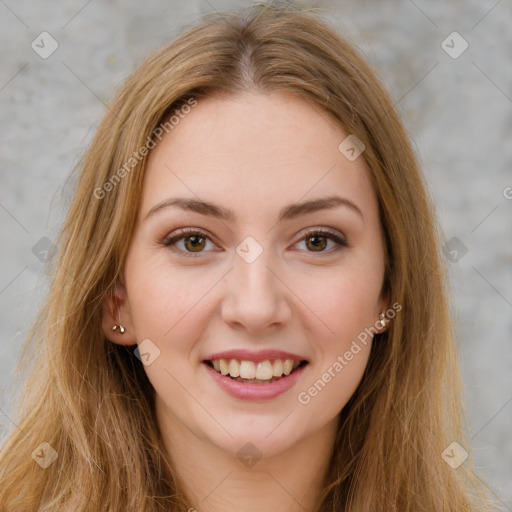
{"x": 458, "y": 111}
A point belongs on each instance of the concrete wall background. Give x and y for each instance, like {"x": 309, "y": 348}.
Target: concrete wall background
{"x": 458, "y": 111}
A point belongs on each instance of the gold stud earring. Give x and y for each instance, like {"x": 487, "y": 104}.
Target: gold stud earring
{"x": 383, "y": 320}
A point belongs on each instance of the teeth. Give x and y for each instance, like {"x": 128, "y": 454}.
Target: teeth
{"x": 264, "y": 370}
{"x": 288, "y": 367}
{"x": 278, "y": 368}
{"x": 247, "y": 370}
{"x": 261, "y": 371}
{"x": 234, "y": 368}
{"x": 224, "y": 369}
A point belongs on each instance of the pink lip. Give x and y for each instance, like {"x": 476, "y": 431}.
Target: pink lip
{"x": 255, "y": 392}
{"x": 249, "y": 355}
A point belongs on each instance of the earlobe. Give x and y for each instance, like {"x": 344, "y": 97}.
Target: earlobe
{"x": 116, "y": 319}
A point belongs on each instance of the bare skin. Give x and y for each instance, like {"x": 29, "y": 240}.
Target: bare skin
{"x": 253, "y": 154}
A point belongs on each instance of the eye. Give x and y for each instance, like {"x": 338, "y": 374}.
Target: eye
{"x": 189, "y": 241}
{"x": 318, "y": 240}
{"x": 192, "y": 241}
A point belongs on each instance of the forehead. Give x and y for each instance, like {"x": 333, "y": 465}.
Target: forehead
{"x": 252, "y": 151}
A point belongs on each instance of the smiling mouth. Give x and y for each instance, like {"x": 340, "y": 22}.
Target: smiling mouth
{"x": 250, "y": 372}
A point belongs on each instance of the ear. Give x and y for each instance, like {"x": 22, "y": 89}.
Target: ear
{"x": 116, "y": 311}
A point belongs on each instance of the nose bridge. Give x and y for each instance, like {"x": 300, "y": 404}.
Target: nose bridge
{"x": 255, "y": 277}
{"x": 252, "y": 273}
{"x": 256, "y": 297}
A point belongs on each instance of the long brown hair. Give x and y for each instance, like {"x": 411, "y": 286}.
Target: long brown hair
{"x": 91, "y": 400}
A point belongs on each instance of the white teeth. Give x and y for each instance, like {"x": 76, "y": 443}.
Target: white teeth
{"x": 288, "y": 367}
{"x": 263, "y": 370}
{"x": 278, "y": 368}
{"x": 234, "y": 368}
{"x": 247, "y": 370}
{"x": 224, "y": 369}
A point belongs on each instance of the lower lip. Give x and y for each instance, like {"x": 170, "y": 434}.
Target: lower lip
{"x": 255, "y": 392}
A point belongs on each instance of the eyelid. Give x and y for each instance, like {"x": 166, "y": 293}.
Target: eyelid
{"x": 181, "y": 232}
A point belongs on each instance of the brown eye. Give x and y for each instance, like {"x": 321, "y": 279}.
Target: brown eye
{"x": 189, "y": 242}
{"x": 323, "y": 241}
{"x": 194, "y": 243}
{"x": 316, "y": 243}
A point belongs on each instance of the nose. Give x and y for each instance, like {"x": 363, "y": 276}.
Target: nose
{"x": 255, "y": 298}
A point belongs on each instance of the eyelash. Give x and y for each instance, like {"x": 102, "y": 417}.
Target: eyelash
{"x": 189, "y": 232}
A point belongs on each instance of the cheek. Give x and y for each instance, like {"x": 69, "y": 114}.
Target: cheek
{"x": 344, "y": 302}
{"x": 163, "y": 298}
{"x": 166, "y": 307}
{"x": 342, "y": 345}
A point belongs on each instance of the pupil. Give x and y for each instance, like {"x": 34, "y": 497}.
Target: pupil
{"x": 317, "y": 242}
{"x": 196, "y": 242}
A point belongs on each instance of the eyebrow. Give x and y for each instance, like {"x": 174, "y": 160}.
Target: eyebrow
{"x": 288, "y": 212}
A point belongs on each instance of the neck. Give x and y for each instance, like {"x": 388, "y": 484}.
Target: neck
{"x": 215, "y": 480}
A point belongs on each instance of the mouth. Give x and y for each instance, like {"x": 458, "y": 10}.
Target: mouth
{"x": 255, "y": 372}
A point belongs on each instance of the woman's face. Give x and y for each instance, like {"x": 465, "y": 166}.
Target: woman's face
{"x": 281, "y": 264}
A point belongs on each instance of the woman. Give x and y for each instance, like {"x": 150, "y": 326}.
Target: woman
{"x": 249, "y": 308}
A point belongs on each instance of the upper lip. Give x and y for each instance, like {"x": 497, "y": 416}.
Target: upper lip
{"x": 255, "y": 356}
